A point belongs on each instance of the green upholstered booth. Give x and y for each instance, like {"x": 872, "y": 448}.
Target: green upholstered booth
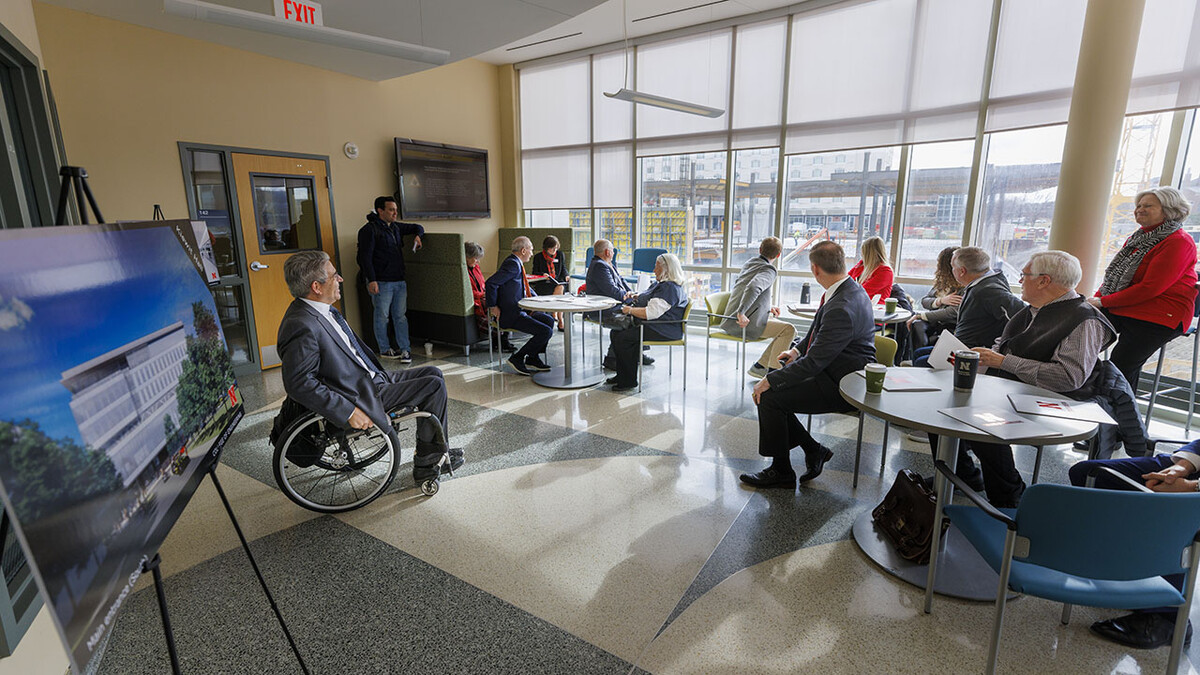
{"x": 440, "y": 305}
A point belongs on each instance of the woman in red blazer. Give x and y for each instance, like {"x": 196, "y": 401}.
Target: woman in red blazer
{"x": 873, "y": 272}
{"x": 1149, "y": 289}
{"x": 474, "y": 253}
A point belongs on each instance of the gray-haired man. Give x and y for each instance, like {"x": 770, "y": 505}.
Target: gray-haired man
{"x": 329, "y": 370}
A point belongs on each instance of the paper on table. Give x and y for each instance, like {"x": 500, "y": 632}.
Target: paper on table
{"x": 1003, "y": 424}
{"x": 946, "y": 345}
{"x": 1086, "y": 411}
{"x": 906, "y": 379}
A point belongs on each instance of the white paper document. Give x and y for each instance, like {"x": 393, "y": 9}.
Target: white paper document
{"x": 1085, "y": 411}
{"x": 1003, "y": 424}
{"x": 946, "y": 345}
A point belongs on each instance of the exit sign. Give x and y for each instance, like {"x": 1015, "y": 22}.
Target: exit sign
{"x": 300, "y": 11}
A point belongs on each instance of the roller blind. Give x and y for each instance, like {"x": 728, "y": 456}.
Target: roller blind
{"x": 554, "y": 104}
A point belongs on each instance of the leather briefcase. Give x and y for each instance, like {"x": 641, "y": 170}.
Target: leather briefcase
{"x": 905, "y": 517}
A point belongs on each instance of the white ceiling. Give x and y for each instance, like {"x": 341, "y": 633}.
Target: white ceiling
{"x": 495, "y": 31}
{"x": 602, "y": 25}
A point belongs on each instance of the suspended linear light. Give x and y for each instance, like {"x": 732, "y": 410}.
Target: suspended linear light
{"x": 664, "y": 102}
{"x": 642, "y": 98}
{"x": 264, "y": 23}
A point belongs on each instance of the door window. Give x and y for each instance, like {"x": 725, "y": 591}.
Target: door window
{"x": 285, "y": 210}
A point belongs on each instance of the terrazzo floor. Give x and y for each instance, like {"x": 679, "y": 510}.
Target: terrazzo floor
{"x": 589, "y": 532}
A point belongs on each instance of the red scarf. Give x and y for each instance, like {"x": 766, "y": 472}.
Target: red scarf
{"x": 550, "y": 264}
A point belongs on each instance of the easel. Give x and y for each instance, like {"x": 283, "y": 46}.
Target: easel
{"x": 152, "y": 566}
{"x": 77, "y": 176}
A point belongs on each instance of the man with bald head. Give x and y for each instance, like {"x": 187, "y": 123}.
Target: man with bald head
{"x": 503, "y": 292}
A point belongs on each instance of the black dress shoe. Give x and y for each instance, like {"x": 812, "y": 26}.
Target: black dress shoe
{"x": 518, "y": 364}
{"x": 647, "y": 361}
{"x": 536, "y": 363}
{"x": 613, "y": 380}
{"x": 816, "y": 466}
{"x": 1141, "y": 630}
{"x": 624, "y": 387}
{"x": 975, "y": 481}
{"x": 769, "y": 478}
{"x": 508, "y": 348}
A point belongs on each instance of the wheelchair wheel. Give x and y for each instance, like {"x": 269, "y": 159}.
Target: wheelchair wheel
{"x": 327, "y": 469}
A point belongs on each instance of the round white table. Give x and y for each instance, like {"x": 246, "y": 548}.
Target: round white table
{"x": 881, "y": 315}
{"x": 568, "y": 377}
{"x": 957, "y": 570}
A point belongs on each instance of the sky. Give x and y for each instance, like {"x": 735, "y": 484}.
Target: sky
{"x": 69, "y": 294}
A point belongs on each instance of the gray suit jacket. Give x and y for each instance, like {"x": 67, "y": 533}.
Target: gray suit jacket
{"x": 840, "y": 341}
{"x": 320, "y": 372}
{"x": 751, "y": 295}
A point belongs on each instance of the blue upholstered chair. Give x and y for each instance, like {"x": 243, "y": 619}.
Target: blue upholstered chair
{"x": 1085, "y": 546}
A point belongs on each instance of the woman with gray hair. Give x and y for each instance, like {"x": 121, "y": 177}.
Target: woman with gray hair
{"x": 1149, "y": 289}
{"x": 474, "y": 253}
{"x": 664, "y": 301}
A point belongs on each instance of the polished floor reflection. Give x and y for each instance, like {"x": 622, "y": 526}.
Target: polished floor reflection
{"x": 589, "y": 532}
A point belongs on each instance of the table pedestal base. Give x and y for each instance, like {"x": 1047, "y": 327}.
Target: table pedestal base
{"x": 961, "y": 573}
{"x": 556, "y": 378}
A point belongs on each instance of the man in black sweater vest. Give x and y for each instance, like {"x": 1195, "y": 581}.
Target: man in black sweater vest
{"x": 1054, "y": 343}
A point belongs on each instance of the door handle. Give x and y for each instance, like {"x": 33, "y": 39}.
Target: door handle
{"x": 256, "y": 266}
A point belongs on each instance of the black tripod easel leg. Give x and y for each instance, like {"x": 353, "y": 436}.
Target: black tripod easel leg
{"x": 263, "y": 582}
{"x": 153, "y": 566}
{"x": 75, "y": 176}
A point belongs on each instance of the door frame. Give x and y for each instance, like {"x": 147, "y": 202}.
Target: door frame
{"x": 241, "y": 279}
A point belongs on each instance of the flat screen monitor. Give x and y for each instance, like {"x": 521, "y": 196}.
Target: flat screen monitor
{"x": 441, "y": 181}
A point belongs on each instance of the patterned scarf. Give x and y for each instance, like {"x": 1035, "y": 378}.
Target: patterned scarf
{"x": 1124, "y": 265}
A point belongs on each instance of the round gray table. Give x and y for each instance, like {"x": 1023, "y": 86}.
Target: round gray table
{"x": 957, "y": 570}
{"x": 568, "y": 377}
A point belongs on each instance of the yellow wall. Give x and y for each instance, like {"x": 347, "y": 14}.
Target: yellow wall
{"x": 127, "y": 94}
{"x": 17, "y": 17}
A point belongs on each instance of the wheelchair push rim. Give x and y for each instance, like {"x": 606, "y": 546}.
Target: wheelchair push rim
{"x": 354, "y": 468}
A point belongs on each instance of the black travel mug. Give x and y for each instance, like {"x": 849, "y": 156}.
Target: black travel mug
{"x": 966, "y": 366}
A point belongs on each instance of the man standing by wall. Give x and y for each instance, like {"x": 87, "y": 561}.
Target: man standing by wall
{"x": 381, "y": 259}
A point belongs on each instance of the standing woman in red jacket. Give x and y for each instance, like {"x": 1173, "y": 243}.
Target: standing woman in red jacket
{"x": 1149, "y": 289}
{"x": 873, "y": 272}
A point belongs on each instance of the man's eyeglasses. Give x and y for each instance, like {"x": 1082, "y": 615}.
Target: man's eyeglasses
{"x": 1025, "y": 275}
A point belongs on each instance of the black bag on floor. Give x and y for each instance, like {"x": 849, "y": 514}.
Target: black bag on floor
{"x": 905, "y": 517}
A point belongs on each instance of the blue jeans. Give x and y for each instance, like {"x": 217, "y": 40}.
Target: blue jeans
{"x": 393, "y": 300}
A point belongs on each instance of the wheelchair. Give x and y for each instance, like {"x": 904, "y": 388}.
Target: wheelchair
{"x": 325, "y": 468}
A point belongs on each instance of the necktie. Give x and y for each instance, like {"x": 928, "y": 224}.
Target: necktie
{"x": 341, "y": 321}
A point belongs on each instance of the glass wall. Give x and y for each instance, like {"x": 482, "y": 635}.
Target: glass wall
{"x": 936, "y": 205}
{"x": 1020, "y": 183}
{"x": 683, "y": 206}
{"x": 754, "y": 196}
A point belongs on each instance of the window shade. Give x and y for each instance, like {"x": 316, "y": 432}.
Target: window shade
{"x": 554, "y": 105}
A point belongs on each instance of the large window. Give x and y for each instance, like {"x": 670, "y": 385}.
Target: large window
{"x": 754, "y": 196}
{"x": 683, "y": 207}
{"x": 1139, "y": 166}
{"x": 935, "y": 209}
{"x": 843, "y": 196}
{"x": 1020, "y": 183}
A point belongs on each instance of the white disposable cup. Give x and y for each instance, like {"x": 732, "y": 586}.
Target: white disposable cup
{"x": 428, "y": 349}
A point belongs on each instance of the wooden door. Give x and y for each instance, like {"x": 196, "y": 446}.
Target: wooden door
{"x": 284, "y": 207}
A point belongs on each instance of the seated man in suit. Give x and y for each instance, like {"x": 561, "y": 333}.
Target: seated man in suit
{"x": 1178, "y": 472}
{"x": 503, "y": 291}
{"x": 604, "y": 280}
{"x": 1054, "y": 343}
{"x": 329, "y": 370}
{"x": 840, "y": 341}
{"x": 750, "y": 302}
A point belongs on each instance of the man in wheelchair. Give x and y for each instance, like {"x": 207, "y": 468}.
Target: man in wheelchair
{"x": 329, "y": 370}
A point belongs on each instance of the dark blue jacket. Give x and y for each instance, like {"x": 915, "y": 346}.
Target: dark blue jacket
{"x": 603, "y": 280}
{"x": 674, "y": 296}
{"x": 505, "y": 289}
{"x": 381, "y": 248}
{"x": 841, "y": 340}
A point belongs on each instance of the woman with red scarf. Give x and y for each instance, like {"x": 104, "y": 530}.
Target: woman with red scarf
{"x": 553, "y": 264}
{"x": 1149, "y": 289}
{"x": 474, "y": 253}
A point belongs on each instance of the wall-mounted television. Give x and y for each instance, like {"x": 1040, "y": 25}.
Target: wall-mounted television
{"x": 441, "y": 181}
